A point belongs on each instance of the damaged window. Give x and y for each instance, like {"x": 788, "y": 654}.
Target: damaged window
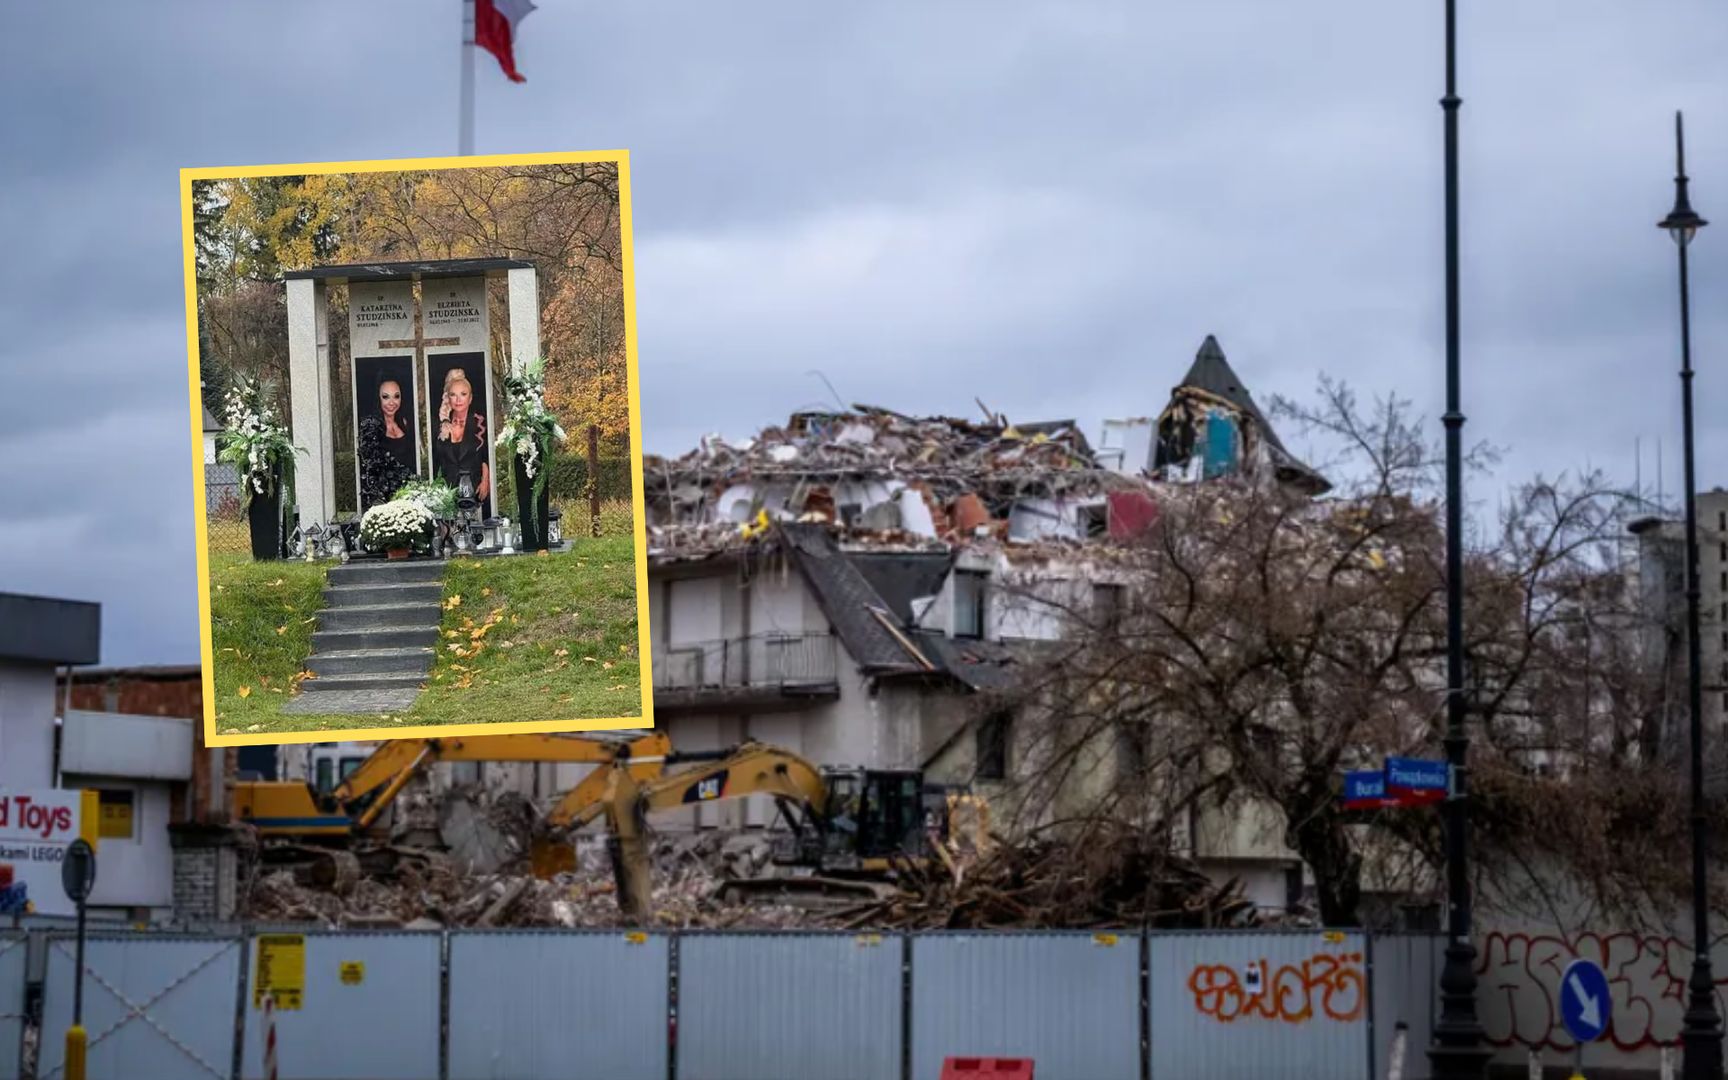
{"x": 1094, "y": 520}
{"x": 1107, "y": 606}
{"x": 992, "y": 748}
{"x": 1131, "y": 749}
{"x": 970, "y": 596}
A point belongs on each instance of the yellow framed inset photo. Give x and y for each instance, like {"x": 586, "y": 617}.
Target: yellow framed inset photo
{"x": 416, "y": 448}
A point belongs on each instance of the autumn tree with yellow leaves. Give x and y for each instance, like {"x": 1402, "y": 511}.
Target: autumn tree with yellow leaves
{"x": 562, "y": 217}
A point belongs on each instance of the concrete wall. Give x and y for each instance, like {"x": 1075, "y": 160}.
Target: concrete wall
{"x": 206, "y": 881}
{"x": 26, "y": 725}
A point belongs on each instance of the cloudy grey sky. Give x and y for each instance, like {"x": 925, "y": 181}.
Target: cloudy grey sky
{"x": 1044, "y": 204}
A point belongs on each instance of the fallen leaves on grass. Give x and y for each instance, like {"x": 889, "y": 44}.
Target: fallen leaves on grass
{"x": 453, "y": 602}
{"x": 245, "y": 691}
{"x": 562, "y": 652}
{"x": 280, "y": 630}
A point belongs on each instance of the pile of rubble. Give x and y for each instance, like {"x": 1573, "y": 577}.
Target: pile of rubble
{"x": 1056, "y": 885}
{"x": 426, "y": 890}
{"x": 872, "y": 441}
{"x": 904, "y": 482}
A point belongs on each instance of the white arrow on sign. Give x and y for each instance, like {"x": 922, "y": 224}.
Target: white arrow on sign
{"x": 1590, "y": 1010}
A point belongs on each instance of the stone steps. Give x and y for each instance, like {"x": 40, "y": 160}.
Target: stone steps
{"x": 386, "y": 637}
{"x": 409, "y": 592}
{"x": 352, "y": 661}
{"x": 385, "y": 572}
{"x": 363, "y": 680}
{"x": 378, "y": 616}
{"x": 375, "y": 639}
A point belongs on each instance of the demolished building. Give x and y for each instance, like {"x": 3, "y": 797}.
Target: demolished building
{"x": 867, "y": 587}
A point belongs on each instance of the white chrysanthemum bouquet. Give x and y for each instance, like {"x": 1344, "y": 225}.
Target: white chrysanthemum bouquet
{"x": 397, "y": 524}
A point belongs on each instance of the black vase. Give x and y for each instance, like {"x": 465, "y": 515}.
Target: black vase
{"x": 264, "y": 514}
{"x": 533, "y": 513}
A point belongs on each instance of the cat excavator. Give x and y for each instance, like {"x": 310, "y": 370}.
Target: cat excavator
{"x": 848, "y": 827}
{"x": 331, "y": 833}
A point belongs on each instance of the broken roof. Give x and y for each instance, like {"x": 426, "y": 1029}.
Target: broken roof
{"x": 1212, "y": 374}
{"x": 860, "y": 616}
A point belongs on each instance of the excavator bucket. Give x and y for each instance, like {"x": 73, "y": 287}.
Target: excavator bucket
{"x": 548, "y": 857}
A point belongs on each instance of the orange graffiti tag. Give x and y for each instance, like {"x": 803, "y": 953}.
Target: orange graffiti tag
{"x": 1288, "y": 994}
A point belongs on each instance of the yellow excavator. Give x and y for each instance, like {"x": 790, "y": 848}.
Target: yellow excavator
{"x": 848, "y": 827}
{"x": 330, "y": 830}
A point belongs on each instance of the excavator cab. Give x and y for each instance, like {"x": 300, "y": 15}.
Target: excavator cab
{"x": 873, "y": 815}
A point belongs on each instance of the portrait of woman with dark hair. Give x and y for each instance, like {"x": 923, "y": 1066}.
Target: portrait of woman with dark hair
{"x": 459, "y": 449}
{"x": 389, "y": 456}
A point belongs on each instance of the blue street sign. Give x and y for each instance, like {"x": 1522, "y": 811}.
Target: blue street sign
{"x": 1366, "y": 787}
{"x": 1584, "y": 1002}
{"x": 1427, "y": 778}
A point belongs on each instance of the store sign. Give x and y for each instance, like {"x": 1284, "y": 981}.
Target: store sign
{"x": 36, "y": 827}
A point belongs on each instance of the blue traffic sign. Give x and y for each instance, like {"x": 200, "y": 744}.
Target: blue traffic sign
{"x": 1416, "y": 777}
{"x": 1364, "y": 788}
{"x": 1585, "y": 1006}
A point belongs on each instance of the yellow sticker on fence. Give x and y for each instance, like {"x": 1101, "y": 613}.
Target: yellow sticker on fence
{"x": 636, "y": 938}
{"x": 281, "y": 970}
{"x": 1104, "y": 939}
{"x": 1336, "y": 937}
{"x": 868, "y": 940}
{"x": 353, "y": 973}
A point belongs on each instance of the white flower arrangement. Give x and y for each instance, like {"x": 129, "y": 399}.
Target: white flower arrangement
{"x": 255, "y": 444}
{"x": 438, "y": 497}
{"x": 529, "y": 429}
{"x": 395, "y": 524}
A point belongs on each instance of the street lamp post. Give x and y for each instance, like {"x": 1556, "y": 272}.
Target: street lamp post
{"x": 1701, "y": 1036}
{"x": 1458, "y": 1051}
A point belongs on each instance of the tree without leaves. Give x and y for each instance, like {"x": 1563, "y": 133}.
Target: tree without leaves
{"x": 1269, "y": 642}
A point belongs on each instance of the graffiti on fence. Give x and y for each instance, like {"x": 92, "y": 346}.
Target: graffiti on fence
{"x": 1519, "y": 987}
{"x": 1332, "y": 983}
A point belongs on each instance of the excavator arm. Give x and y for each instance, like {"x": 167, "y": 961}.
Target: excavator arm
{"x": 387, "y": 771}
{"x": 751, "y": 769}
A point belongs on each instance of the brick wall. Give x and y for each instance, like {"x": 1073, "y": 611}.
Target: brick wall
{"x": 168, "y": 691}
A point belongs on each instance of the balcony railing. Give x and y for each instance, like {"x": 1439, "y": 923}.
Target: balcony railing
{"x": 775, "y": 662}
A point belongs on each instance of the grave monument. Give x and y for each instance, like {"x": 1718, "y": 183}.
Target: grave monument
{"x": 423, "y": 400}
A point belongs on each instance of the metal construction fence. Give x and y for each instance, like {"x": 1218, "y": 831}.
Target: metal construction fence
{"x": 715, "y": 1005}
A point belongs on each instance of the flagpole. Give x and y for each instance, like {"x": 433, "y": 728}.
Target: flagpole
{"x": 466, "y": 137}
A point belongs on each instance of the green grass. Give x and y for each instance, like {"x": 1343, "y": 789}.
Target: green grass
{"x": 261, "y": 623}
{"x": 556, "y": 641}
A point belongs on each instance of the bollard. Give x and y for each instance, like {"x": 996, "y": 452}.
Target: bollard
{"x": 269, "y": 1036}
{"x": 76, "y": 1044}
{"x": 1395, "y": 1062}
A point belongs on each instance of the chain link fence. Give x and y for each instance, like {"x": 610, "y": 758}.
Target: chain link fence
{"x": 568, "y": 483}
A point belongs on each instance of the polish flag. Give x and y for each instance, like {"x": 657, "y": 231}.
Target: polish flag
{"x": 495, "y": 23}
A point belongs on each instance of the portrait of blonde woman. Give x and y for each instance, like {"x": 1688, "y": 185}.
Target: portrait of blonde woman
{"x": 459, "y": 446}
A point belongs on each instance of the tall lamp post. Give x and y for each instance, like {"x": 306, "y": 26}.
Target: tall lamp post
{"x": 1458, "y": 1051}
{"x": 1702, "y": 1034}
